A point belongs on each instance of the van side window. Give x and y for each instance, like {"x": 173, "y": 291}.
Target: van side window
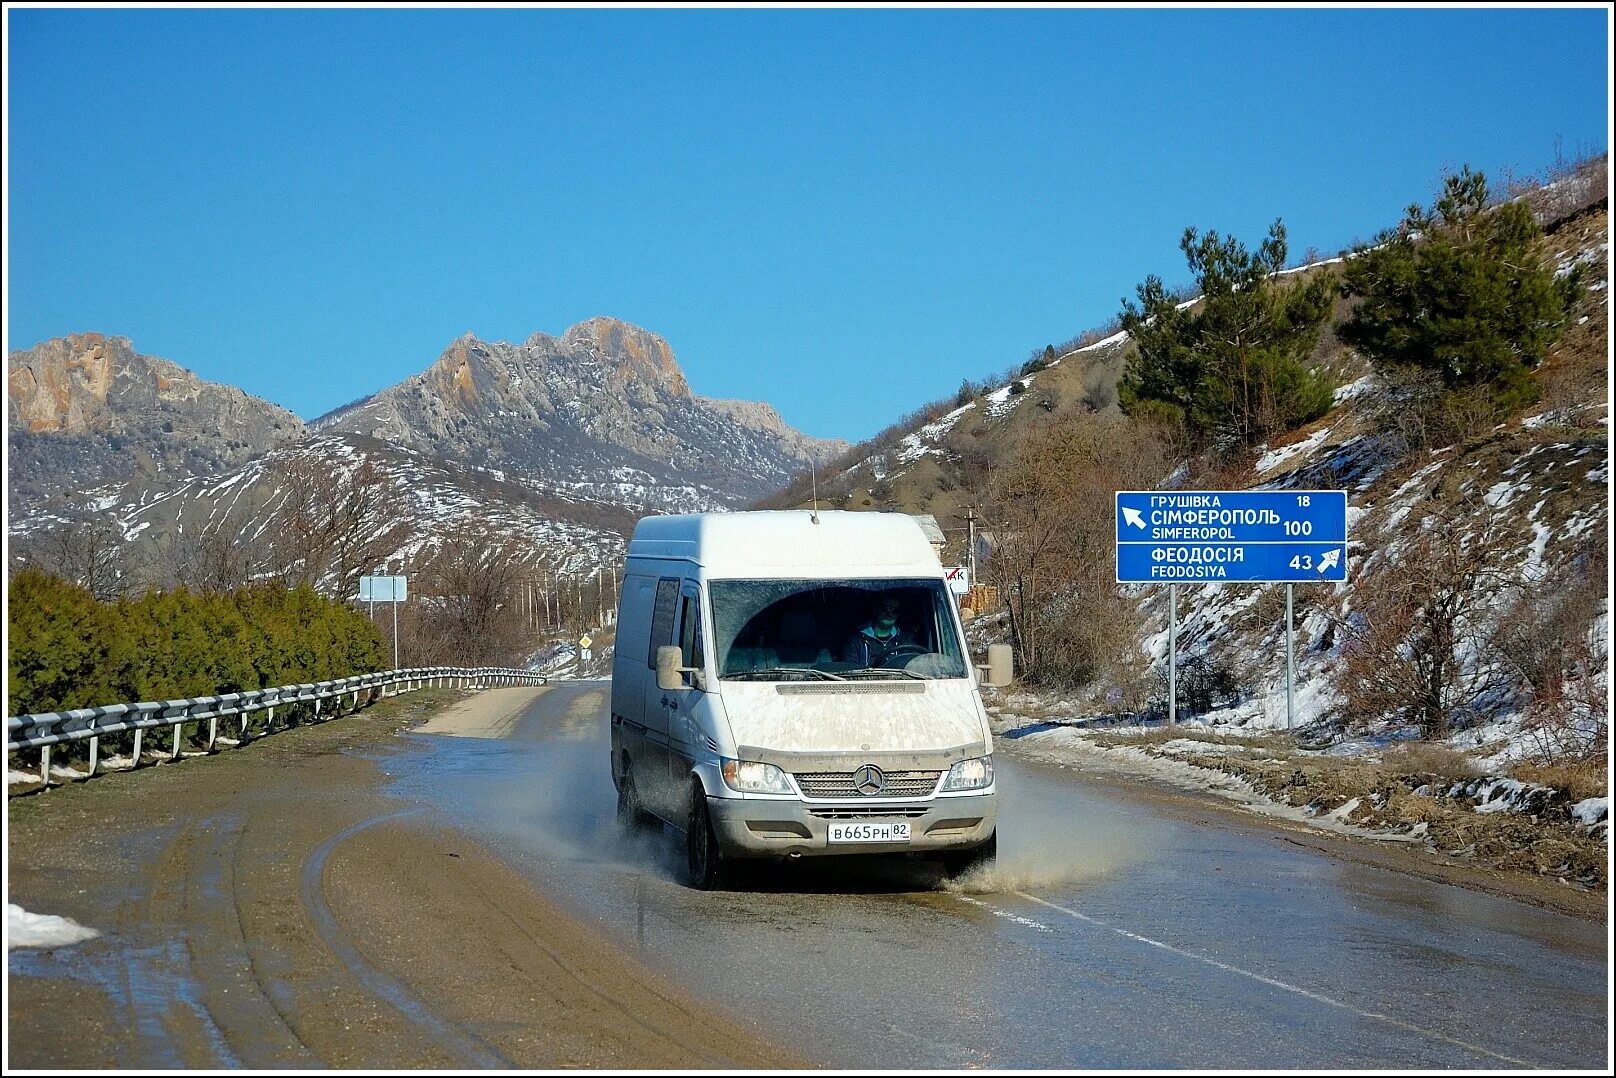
{"x": 690, "y": 633}
{"x": 667, "y": 604}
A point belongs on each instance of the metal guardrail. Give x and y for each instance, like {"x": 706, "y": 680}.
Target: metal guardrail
{"x": 93, "y": 723}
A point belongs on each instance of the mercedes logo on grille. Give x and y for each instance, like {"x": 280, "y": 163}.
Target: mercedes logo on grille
{"x": 868, "y": 780}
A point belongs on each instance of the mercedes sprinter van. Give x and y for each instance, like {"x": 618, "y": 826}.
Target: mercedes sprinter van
{"x": 790, "y": 684}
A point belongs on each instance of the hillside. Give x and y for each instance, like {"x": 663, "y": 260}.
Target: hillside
{"x": 1527, "y": 498}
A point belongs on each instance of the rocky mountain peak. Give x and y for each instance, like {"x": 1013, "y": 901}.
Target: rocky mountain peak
{"x": 639, "y": 350}
{"x": 86, "y": 408}
{"x": 602, "y": 408}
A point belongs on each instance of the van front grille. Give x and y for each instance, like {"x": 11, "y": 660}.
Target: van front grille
{"x": 863, "y": 812}
{"x": 829, "y": 784}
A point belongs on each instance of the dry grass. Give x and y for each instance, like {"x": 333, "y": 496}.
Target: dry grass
{"x": 1431, "y": 758}
{"x": 1579, "y": 779}
{"x": 1385, "y": 791}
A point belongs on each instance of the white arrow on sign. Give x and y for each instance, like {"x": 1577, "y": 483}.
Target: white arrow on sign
{"x": 1327, "y": 562}
{"x": 1133, "y": 516}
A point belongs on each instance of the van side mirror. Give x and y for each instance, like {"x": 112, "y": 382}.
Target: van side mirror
{"x": 669, "y": 671}
{"x": 1001, "y": 662}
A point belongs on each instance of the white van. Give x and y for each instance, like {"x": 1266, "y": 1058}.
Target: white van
{"x": 791, "y": 684}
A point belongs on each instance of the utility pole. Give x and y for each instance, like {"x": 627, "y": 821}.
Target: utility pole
{"x": 970, "y": 543}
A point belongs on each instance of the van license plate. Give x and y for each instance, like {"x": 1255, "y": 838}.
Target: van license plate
{"x": 897, "y": 831}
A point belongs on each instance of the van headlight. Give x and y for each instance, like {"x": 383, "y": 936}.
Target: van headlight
{"x": 974, "y": 774}
{"x": 750, "y": 777}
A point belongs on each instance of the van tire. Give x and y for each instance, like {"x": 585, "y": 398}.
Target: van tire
{"x": 631, "y": 814}
{"x": 957, "y": 863}
{"x": 709, "y": 869}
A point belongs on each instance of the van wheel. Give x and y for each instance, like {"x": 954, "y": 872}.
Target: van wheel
{"x": 959, "y": 863}
{"x": 630, "y": 813}
{"x": 709, "y": 869}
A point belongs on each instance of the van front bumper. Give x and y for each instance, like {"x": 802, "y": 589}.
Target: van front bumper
{"x": 748, "y": 827}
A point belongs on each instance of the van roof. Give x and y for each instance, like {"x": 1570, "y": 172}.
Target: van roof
{"x": 789, "y": 543}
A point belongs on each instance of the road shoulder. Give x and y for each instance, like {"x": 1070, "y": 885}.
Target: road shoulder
{"x": 1207, "y": 807}
{"x": 272, "y": 906}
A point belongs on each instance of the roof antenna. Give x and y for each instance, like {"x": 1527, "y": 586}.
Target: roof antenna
{"x": 813, "y": 471}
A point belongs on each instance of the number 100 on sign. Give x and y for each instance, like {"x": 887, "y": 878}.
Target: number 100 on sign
{"x": 1233, "y": 536}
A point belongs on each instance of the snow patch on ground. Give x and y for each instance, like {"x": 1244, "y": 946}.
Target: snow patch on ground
{"x": 1068, "y": 747}
{"x": 24, "y": 929}
{"x": 1273, "y": 458}
{"x": 1594, "y": 810}
{"x": 1354, "y": 389}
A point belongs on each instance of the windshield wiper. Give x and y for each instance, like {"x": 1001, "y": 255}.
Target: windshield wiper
{"x": 887, "y": 670}
{"x": 764, "y": 675}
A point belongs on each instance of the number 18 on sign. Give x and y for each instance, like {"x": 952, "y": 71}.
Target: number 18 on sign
{"x": 1231, "y": 536}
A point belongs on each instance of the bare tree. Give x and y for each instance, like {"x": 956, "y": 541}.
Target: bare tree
{"x": 219, "y": 557}
{"x": 1049, "y": 510}
{"x": 336, "y": 524}
{"x": 1417, "y": 639}
{"x": 90, "y": 551}
{"x": 1552, "y": 640}
{"x": 468, "y": 602}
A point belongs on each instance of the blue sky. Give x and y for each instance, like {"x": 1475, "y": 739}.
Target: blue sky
{"x": 841, "y": 212}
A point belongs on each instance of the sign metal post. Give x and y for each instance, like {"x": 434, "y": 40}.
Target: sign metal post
{"x": 1290, "y": 660}
{"x": 1172, "y": 655}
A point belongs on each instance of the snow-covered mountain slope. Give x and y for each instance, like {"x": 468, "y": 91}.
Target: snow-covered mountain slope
{"x": 413, "y": 506}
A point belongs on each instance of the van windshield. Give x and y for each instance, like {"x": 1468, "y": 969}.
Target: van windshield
{"x": 825, "y": 630}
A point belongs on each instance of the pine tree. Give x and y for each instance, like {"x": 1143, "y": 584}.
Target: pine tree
{"x": 1465, "y": 290}
{"x": 1234, "y": 365}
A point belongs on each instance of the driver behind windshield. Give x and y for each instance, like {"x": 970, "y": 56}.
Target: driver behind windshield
{"x": 875, "y": 641}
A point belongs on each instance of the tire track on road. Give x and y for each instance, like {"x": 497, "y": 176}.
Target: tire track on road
{"x": 469, "y": 1048}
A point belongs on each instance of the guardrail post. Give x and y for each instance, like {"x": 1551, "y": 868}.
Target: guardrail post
{"x": 213, "y": 732}
{"x": 138, "y": 738}
{"x": 44, "y": 766}
{"x": 95, "y": 756}
{"x": 179, "y": 728}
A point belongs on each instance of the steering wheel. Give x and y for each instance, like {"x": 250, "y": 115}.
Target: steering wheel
{"x": 908, "y": 651}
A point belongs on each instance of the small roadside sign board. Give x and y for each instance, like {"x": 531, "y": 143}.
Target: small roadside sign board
{"x": 383, "y": 589}
{"x": 959, "y": 579}
{"x": 1231, "y": 536}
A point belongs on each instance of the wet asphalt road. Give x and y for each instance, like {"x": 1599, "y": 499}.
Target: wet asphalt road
{"x": 1112, "y": 936}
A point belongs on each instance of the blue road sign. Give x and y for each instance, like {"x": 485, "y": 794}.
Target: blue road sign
{"x": 1231, "y": 536}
